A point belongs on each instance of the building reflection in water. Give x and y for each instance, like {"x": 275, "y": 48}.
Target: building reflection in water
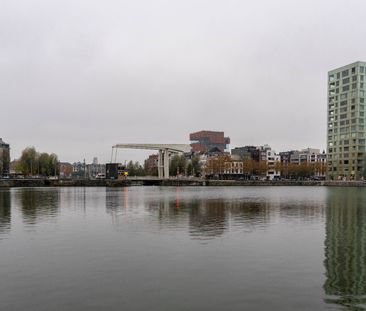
{"x": 207, "y": 218}
{"x": 116, "y": 203}
{"x": 5, "y": 211}
{"x": 37, "y": 204}
{"x": 206, "y": 214}
{"x": 345, "y": 248}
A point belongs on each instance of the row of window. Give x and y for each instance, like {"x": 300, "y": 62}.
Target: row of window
{"x": 342, "y": 115}
{"x": 353, "y": 79}
{"x": 333, "y": 101}
{"x": 347, "y": 72}
{"x": 346, "y": 129}
{"x": 346, "y": 162}
{"x": 332, "y": 94}
{"x": 346, "y": 88}
{"x": 332, "y": 124}
{"x": 346, "y": 142}
{"x": 343, "y": 136}
{"x": 336, "y": 156}
{"x": 333, "y": 109}
{"x": 347, "y": 149}
{"x": 345, "y": 169}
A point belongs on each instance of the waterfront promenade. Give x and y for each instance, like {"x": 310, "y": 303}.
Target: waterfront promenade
{"x": 153, "y": 181}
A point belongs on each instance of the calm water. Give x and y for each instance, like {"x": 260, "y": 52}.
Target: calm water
{"x": 150, "y": 248}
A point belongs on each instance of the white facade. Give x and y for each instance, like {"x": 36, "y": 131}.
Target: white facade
{"x": 273, "y": 159}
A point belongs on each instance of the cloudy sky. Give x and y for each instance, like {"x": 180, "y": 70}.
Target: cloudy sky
{"x": 77, "y": 76}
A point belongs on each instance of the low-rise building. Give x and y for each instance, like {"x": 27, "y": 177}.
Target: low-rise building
{"x": 307, "y": 162}
{"x": 94, "y": 169}
{"x": 246, "y": 153}
{"x": 66, "y": 169}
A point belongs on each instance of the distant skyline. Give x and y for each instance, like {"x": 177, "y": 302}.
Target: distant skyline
{"x": 80, "y": 76}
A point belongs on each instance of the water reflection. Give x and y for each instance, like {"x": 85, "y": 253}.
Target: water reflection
{"x": 345, "y": 248}
{"x": 37, "y": 204}
{"x": 207, "y": 219}
{"x": 5, "y": 211}
{"x": 207, "y": 215}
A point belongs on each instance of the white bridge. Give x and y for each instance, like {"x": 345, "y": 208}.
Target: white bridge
{"x": 165, "y": 151}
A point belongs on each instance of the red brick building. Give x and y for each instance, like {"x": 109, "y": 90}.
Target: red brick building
{"x": 151, "y": 164}
{"x": 204, "y": 141}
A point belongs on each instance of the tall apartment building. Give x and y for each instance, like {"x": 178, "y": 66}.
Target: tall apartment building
{"x": 346, "y": 122}
{"x": 4, "y": 158}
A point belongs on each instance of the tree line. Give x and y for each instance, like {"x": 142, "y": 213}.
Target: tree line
{"x": 33, "y": 162}
{"x": 179, "y": 165}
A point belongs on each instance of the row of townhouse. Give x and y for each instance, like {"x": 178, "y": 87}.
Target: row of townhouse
{"x": 264, "y": 162}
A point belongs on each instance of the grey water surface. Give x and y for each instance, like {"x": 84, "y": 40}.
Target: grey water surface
{"x": 188, "y": 248}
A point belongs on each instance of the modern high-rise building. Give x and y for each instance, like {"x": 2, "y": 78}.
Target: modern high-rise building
{"x": 346, "y": 122}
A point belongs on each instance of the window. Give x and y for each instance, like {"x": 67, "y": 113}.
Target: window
{"x": 345, "y": 73}
{"x": 354, "y": 86}
{"x": 354, "y": 78}
{"x": 343, "y": 116}
{"x": 338, "y": 75}
{"x": 343, "y": 103}
{"x": 344, "y": 96}
{"x": 361, "y": 69}
{"x": 345, "y": 80}
{"x": 353, "y": 69}
{"x": 344, "y": 109}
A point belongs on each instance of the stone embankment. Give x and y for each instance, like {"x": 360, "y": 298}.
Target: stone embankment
{"x": 9, "y": 183}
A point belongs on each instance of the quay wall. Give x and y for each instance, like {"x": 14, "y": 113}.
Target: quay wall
{"x": 9, "y": 183}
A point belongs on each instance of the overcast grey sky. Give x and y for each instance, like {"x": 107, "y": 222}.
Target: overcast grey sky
{"x": 77, "y": 77}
